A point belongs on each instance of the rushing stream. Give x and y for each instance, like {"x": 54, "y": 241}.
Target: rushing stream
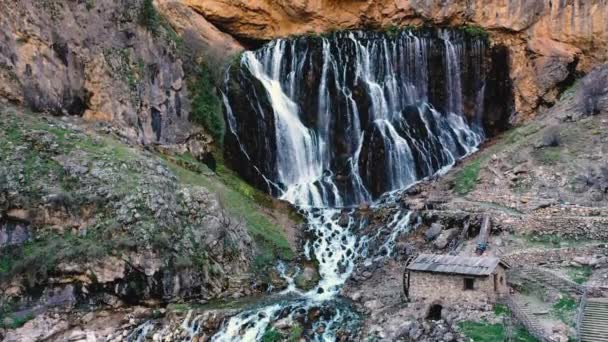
{"x": 331, "y": 123}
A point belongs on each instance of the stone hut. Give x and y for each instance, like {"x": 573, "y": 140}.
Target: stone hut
{"x": 455, "y": 279}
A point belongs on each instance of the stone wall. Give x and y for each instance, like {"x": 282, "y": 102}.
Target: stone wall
{"x": 445, "y": 288}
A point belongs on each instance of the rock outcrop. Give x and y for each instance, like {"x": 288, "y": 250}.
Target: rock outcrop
{"x": 548, "y": 40}
{"x": 97, "y": 60}
{"x": 85, "y": 218}
{"x": 198, "y": 32}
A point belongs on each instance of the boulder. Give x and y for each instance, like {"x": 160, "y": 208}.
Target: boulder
{"x": 433, "y": 231}
{"x": 21, "y": 215}
{"x": 586, "y": 260}
{"x": 444, "y": 239}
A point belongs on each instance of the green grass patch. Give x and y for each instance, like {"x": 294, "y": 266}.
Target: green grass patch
{"x": 11, "y": 321}
{"x": 38, "y": 159}
{"x": 501, "y": 310}
{"x": 466, "y": 178}
{"x": 238, "y": 198}
{"x": 548, "y": 240}
{"x": 566, "y": 303}
{"x": 231, "y": 179}
{"x": 580, "y": 275}
{"x": 179, "y": 307}
{"x": 36, "y": 259}
{"x": 548, "y": 155}
{"x": 519, "y": 134}
{"x": 565, "y": 309}
{"x": 485, "y": 332}
{"x": 12, "y": 132}
{"x": 296, "y": 333}
{"x": 272, "y": 335}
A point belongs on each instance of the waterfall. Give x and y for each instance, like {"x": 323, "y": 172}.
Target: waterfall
{"x": 329, "y": 123}
{"x": 354, "y": 115}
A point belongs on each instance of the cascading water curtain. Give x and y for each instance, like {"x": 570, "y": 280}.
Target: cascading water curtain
{"x": 340, "y": 120}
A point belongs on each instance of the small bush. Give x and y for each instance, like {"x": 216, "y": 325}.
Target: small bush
{"x": 206, "y": 105}
{"x": 551, "y": 137}
{"x": 296, "y": 333}
{"x": 501, "y": 309}
{"x": 14, "y": 322}
{"x": 475, "y": 32}
{"x": 594, "y": 88}
{"x": 149, "y": 17}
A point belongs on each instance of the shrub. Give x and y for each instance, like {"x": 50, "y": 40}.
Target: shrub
{"x": 393, "y": 31}
{"x": 206, "y": 105}
{"x": 565, "y": 308}
{"x": 148, "y": 17}
{"x": 551, "y": 137}
{"x": 594, "y": 88}
{"x": 475, "y": 31}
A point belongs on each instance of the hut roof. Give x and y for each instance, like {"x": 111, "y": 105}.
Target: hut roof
{"x": 473, "y": 266}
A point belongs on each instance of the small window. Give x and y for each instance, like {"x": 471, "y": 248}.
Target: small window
{"x": 469, "y": 284}
{"x": 502, "y": 281}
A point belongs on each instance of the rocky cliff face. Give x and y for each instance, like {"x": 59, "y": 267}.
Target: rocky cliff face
{"x": 95, "y": 59}
{"x": 70, "y": 197}
{"x": 548, "y": 40}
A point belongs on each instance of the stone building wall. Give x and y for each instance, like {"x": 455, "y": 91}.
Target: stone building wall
{"x": 450, "y": 288}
